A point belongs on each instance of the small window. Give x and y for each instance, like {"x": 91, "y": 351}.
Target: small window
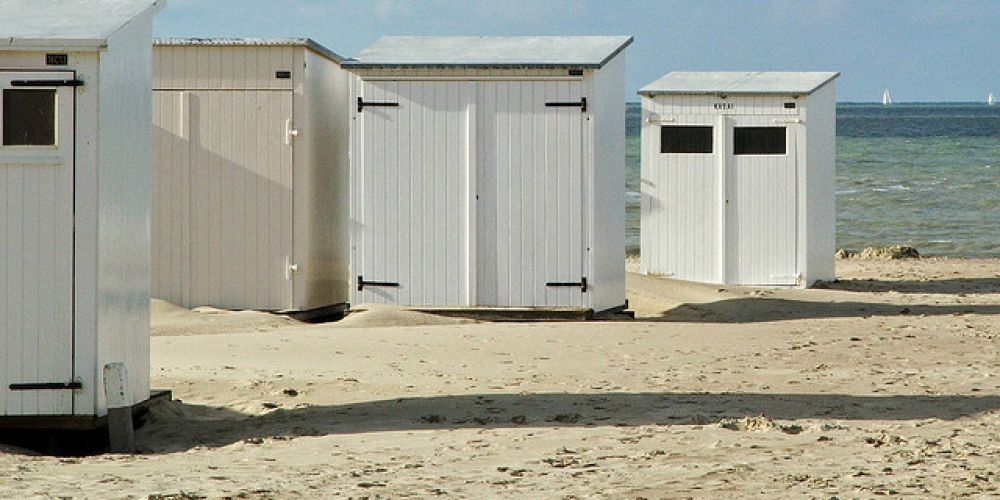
{"x": 759, "y": 140}
{"x": 685, "y": 139}
{"x": 29, "y": 117}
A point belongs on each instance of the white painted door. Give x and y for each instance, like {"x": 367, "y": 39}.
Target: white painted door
{"x": 683, "y": 197}
{"x": 414, "y": 209}
{"x": 36, "y": 243}
{"x": 222, "y": 198}
{"x": 530, "y": 211}
{"x": 761, "y": 193}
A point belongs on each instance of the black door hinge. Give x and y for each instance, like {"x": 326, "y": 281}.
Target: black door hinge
{"x": 582, "y": 284}
{"x": 46, "y": 83}
{"x": 46, "y": 386}
{"x": 582, "y": 103}
{"x": 362, "y": 283}
{"x": 362, "y": 104}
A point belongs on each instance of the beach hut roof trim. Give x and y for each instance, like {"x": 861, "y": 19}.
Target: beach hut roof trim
{"x": 251, "y": 42}
{"x": 739, "y": 82}
{"x": 591, "y": 52}
{"x": 82, "y": 24}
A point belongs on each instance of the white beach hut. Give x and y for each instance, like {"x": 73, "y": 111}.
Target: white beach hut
{"x": 74, "y": 206}
{"x": 489, "y": 171}
{"x": 250, "y": 199}
{"x": 738, "y": 177}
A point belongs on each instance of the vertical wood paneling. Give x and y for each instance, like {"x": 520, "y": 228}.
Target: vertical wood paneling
{"x": 763, "y": 201}
{"x": 36, "y": 267}
{"x": 530, "y": 211}
{"x": 410, "y": 223}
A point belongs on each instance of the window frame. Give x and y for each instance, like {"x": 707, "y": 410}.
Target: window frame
{"x": 784, "y": 139}
{"x": 700, "y": 127}
{"x": 55, "y": 101}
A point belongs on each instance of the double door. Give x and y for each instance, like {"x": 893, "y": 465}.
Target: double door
{"x": 36, "y": 243}
{"x": 471, "y": 193}
{"x": 725, "y": 199}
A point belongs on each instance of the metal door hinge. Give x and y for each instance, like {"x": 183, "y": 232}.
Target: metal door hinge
{"x": 582, "y": 284}
{"x": 362, "y": 283}
{"x": 46, "y": 386}
{"x": 362, "y": 103}
{"x": 582, "y": 103}
{"x": 46, "y": 83}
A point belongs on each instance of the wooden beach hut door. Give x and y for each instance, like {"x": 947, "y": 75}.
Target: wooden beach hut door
{"x": 36, "y": 243}
{"x": 414, "y": 208}
{"x": 761, "y": 201}
{"x": 530, "y": 208}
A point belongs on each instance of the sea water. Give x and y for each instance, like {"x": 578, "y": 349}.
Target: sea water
{"x": 924, "y": 175}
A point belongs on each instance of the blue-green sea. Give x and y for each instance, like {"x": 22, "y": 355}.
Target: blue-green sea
{"x": 924, "y": 175}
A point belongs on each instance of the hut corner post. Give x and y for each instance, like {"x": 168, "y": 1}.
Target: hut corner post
{"x": 116, "y": 391}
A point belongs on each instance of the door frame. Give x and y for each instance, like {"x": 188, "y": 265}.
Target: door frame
{"x": 68, "y": 74}
{"x": 730, "y": 244}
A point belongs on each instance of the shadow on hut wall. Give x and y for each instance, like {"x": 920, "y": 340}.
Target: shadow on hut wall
{"x": 176, "y": 426}
{"x": 221, "y": 222}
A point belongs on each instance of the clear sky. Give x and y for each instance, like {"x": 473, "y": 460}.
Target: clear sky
{"x": 922, "y": 50}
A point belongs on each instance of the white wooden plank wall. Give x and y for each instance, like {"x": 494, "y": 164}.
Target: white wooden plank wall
{"x": 414, "y": 174}
{"x": 171, "y": 217}
{"x": 673, "y": 105}
{"x": 218, "y": 68}
{"x": 530, "y": 215}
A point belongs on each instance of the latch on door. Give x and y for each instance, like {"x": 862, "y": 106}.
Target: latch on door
{"x": 290, "y": 132}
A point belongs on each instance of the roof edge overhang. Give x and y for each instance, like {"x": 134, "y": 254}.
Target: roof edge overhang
{"x": 308, "y": 43}
{"x": 32, "y": 44}
{"x": 67, "y": 44}
{"x": 652, "y": 93}
{"x": 356, "y": 64}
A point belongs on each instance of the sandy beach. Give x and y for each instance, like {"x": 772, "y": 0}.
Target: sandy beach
{"x": 886, "y": 382}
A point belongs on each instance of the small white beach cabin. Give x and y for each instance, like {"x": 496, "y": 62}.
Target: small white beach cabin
{"x": 250, "y": 164}
{"x": 489, "y": 171}
{"x": 74, "y": 205}
{"x": 738, "y": 177}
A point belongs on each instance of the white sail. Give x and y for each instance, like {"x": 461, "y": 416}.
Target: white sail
{"x": 886, "y": 98}
{"x": 990, "y": 99}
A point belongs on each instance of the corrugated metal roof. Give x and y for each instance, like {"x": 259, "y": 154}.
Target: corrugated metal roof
{"x": 491, "y": 51}
{"x": 739, "y": 82}
{"x": 251, "y": 42}
{"x": 43, "y": 24}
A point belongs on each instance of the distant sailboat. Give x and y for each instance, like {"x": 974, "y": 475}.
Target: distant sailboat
{"x": 886, "y": 98}
{"x": 990, "y": 99}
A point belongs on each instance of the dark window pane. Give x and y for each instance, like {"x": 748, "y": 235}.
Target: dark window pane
{"x": 29, "y": 117}
{"x": 759, "y": 141}
{"x": 685, "y": 139}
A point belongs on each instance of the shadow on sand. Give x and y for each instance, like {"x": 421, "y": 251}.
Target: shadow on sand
{"x": 937, "y": 286}
{"x": 176, "y": 426}
{"x": 760, "y": 309}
